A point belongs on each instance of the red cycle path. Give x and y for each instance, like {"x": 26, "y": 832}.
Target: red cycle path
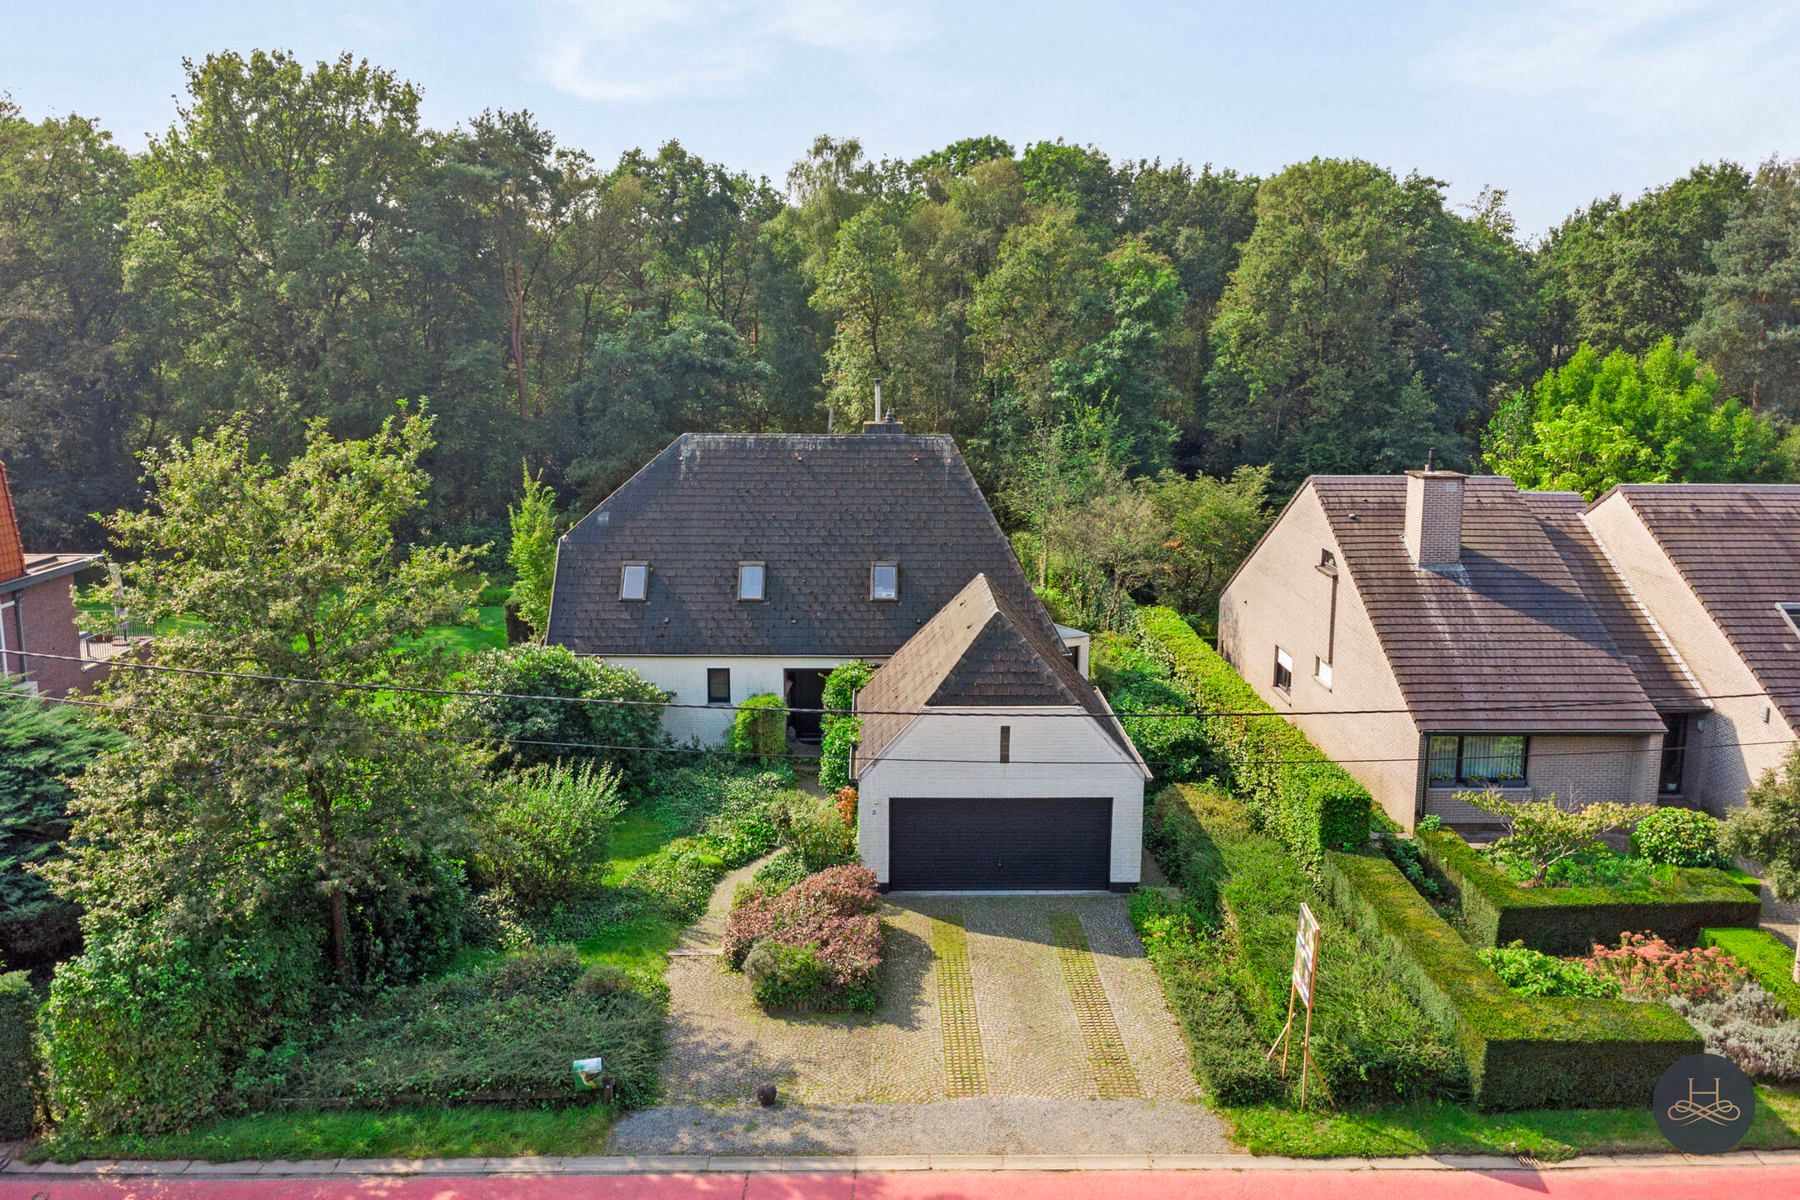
{"x": 1594, "y": 1183}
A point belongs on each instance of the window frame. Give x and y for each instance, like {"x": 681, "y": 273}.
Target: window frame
{"x": 874, "y": 595}
{"x": 1461, "y": 779}
{"x": 1284, "y": 665}
{"x": 625, "y": 579}
{"x": 1791, "y": 610}
{"x": 1677, "y": 729}
{"x": 713, "y": 676}
{"x": 762, "y": 581}
{"x": 1006, "y": 743}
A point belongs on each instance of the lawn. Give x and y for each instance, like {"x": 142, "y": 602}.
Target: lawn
{"x": 1443, "y": 1128}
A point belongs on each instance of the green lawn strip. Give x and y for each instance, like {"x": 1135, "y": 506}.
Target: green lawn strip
{"x": 461, "y": 1132}
{"x": 1443, "y": 1128}
{"x": 965, "y": 1063}
{"x": 1769, "y": 958}
{"x": 1113, "y": 1074}
{"x": 488, "y": 633}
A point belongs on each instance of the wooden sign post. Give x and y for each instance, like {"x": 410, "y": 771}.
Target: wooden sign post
{"x": 1306, "y": 967}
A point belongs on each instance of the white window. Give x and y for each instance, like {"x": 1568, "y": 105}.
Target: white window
{"x": 634, "y": 581}
{"x": 750, "y": 580}
{"x": 1792, "y": 613}
{"x": 1322, "y": 671}
{"x": 884, "y": 581}
{"x": 1284, "y": 670}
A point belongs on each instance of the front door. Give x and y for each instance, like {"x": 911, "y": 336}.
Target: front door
{"x": 805, "y": 690}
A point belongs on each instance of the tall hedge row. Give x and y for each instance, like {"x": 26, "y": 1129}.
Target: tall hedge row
{"x": 18, "y": 1082}
{"x": 1571, "y": 920}
{"x": 1296, "y": 794}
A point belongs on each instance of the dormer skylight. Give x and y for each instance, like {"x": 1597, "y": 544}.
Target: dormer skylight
{"x": 750, "y": 580}
{"x": 634, "y": 581}
{"x": 884, "y": 581}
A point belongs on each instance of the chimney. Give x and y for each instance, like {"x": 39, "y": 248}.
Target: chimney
{"x": 1434, "y": 505}
{"x": 883, "y": 422}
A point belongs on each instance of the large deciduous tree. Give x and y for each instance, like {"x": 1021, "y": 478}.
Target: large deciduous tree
{"x": 1749, "y": 319}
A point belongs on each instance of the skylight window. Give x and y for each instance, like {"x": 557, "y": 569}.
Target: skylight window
{"x": 634, "y": 581}
{"x": 884, "y": 581}
{"x": 751, "y": 577}
{"x": 1792, "y": 613}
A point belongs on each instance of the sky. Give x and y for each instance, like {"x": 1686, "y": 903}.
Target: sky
{"x": 1557, "y": 102}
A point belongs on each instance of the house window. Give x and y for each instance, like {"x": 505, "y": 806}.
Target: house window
{"x": 884, "y": 581}
{"x": 634, "y": 581}
{"x": 718, "y": 685}
{"x": 1322, "y": 670}
{"x": 1284, "y": 670}
{"x": 1006, "y": 743}
{"x": 750, "y": 580}
{"x": 1792, "y": 613}
{"x": 1328, "y": 562}
{"x": 1477, "y": 759}
{"x": 1674, "y": 754}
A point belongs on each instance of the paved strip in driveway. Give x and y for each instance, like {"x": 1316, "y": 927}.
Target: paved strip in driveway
{"x": 1099, "y": 1032}
{"x": 965, "y": 1067}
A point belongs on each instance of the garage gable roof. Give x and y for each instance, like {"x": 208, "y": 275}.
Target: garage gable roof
{"x": 979, "y": 651}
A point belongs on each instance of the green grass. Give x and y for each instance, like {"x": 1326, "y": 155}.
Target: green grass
{"x": 488, "y": 633}
{"x": 1442, "y": 1128}
{"x": 400, "y": 1133}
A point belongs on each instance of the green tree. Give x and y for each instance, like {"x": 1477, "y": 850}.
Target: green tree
{"x": 545, "y": 837}
{"x": 42, "y": 747}
{"x": 1767, "y": 829}
{"x": 238, "y": 794}
{"x": 1748, "y": 325}
{"x": 532, "y": 552}
{"x": 1208, "y": 527}
{"x": 864, "y": 284}
{"x": 1596, "y": 422}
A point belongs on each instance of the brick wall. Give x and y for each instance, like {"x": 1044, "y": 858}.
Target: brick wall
{"x": 47, "y": 614}
{"x": 1583, "y": 768}
{"x": 1434, "y": 517}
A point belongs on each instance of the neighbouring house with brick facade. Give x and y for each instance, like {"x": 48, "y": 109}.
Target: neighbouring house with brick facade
{"x": 37, "y": 611}
{"x": 1438, "y": 633}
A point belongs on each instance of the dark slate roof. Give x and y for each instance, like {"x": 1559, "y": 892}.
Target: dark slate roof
{"x": 1662, "y": 675}
{"x": 979, "y": 651}
{"x": 1503, "y": 641}
{"x": 818, "y": 509}
{"x": 1737, "y": 546}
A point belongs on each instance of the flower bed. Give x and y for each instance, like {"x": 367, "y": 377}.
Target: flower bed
{"x": 816, "y": 945}
{"x": 1570, "y": 920}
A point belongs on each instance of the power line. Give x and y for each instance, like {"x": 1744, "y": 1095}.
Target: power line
{"x": 471, "y": 693}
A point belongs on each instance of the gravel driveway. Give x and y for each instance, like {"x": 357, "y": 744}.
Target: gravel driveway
{"x": 1008, "y": 1024}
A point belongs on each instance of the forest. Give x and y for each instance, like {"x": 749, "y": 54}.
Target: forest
{"x": 1138, "y": 358}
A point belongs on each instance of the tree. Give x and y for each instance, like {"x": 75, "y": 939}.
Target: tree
{"x": 1546, "y": 832}
{"x": 42, "y": 746}
{"x": 864, "y": 283}
{"x": 1748, "y": 324}
{"x": 1596, "y": 422}
{"x": 532, "y": 552}
{"x": 1767, "y": 829}
{"x": 238, "y": 794}
{"x": 1209, "y": 526}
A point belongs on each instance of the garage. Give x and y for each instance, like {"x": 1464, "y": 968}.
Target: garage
{"x": 1015, "y": 843}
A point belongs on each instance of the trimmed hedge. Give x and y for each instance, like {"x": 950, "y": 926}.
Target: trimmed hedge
{"x": 1295, "y": 793}
{"x": 760, "y": 727}
{"x": 1573, "y": 920}
{"x": 18, "y": 1059}
{"x": 1768, "y": 957}
{"x": 1521, "y": 1051}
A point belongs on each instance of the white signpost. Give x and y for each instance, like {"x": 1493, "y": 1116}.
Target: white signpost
{"x": 1306, "y": 968}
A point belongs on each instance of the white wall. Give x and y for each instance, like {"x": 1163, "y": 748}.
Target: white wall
{"x": 685, "y": 676}
{"x": 1051, "y": 756}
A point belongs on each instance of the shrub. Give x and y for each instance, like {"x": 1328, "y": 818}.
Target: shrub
{"x": 506, "y": 1034}
{"x": 1175, "y": 747}
{"x": 1536, "y": 974}
{"x": 1571, "y": 920}
{"x": 1404, "y": 853}
{"x": 1767, "y": 829}
{"x": 845, "y": 801}
{"x": 1546, "y": 832}
{"x": 1296, "y": 794}
{"x": 18, "y": 1057}
{"x": 602, "y": 980}
{"x": 786, "y": 976}
{"x": 783, "y": 870}
{"x": 1769, "y": 960}
{"x": 1648, "y": 968}
{"x": 540, "y": 717}
{"x": 813, "y": 829}
{"x": 1750, "y": 1027}
{"x": 548, "y": 832}
{"x": 760, "y": 727}
{"x": 841, "y": 731}
{"x": 1679, "y": 837}
{"x": 831, "y": 917}
{"x": 735, "y": 817}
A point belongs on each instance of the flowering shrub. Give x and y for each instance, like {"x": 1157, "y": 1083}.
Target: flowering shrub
{"x": 845, "y": 800}
{"x": 830, "y": 915}
{"x": 1648, "y": 968}
{"x": 1535, "y": 974}
{"x": 1750, "y": 1027}
{"x": 1679, "y": 837}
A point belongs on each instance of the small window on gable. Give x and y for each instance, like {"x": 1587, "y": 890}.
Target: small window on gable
{"x": 884, "y": 581}
{"x": 1327, "y": 562}
{"x": 751, "y": 576}
{"x": 1792, "y": 613}
{"x": 1284, "y": 670}
{"x": 1006, "y": 743}
{"x": 634, "y": 581}
{"x": 718, "y": 685}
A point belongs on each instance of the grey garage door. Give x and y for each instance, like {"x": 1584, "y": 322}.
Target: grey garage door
{"x": 953, "y": 844}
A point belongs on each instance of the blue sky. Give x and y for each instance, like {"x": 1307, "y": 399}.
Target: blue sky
{"x": 1556, "y": 101}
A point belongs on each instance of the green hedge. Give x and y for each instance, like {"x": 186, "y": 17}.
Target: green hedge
{"x": 1521, "y": 1051}
{"x": 1571, "y": 920}
{"x": 18, "y": 1076}
{"x": 1769, "y": 958}
{"x": 1295, "y": 793}
{"x": 760, "y": 727}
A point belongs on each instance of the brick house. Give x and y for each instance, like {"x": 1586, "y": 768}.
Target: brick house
{"x": 1438, "y": 633}
{"x": 37, "y": 611}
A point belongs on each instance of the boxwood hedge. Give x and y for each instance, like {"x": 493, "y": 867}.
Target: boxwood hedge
{"x": 1769, "y": 958}
{"x": 1558, "y": 920}
{"x": 18, "y": 1076}
{"x": 1296, "y": 794}
{"x": 1521, "y": 1051}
